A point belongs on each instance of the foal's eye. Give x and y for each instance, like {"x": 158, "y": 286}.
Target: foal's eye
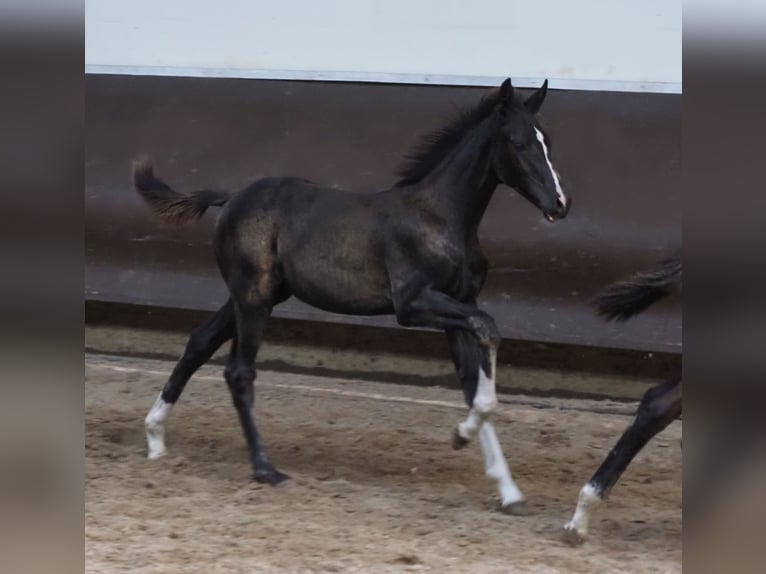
{"x": 518, "y": 145}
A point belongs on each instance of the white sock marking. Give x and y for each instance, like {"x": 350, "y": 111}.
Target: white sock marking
{"x": 496, "y": 466}
{"x": 484, "y": 402}
{"x": 155, "y": 427}
{"x": 559, "y": 191}
{"x": 586, "y": 502}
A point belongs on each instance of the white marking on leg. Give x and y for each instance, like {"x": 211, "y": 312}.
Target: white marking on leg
{"x": 484, "y": 402}
{"x": 155, "y": 427}
{"x": 496, "y": 466}
{"x": 559, "y": 191}
{"x": 470, "y": 426}
{"x": 586, "y": 502}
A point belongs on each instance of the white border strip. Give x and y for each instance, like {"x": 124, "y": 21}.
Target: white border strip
{"x": 291, "y": 386}
{"x": 386, "y": 78}
{"x": 619, "y": 409}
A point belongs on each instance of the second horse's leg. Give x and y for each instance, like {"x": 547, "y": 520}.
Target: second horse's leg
{"x": 466, "y": 355}
{"x": 660, "y": 406}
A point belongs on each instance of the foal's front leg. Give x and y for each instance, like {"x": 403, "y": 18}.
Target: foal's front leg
{"x": 430, "y": 308}
{"x": 476, "y": 340}
{"x": 466, "y": 355}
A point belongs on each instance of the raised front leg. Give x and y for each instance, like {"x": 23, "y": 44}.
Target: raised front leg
{"x": 466, "y": 355}
{"x": 659, "y": 406}
{"x": 429, "y": 308}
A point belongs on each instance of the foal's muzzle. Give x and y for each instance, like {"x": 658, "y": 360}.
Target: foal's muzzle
{"x": 560, "y": 211}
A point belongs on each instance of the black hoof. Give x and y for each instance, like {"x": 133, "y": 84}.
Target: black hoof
{"x": 271, "y": 477}
{"x": 519, "y": 508}
{"x": 458, "y": 441}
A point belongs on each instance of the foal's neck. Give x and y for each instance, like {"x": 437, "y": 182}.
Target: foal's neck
{"x": 461, "y": 186}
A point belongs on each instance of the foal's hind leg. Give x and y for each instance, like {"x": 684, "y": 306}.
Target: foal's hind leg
{"x": 251, "y": 320}
{"x": 660, "y": 406}
{"x": 203, "y": 342}
{"x": 466, "y": 354}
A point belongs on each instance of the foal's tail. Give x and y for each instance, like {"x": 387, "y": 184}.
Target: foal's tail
{"x": 626, "y": 298}
{"x": 169, "y": 205}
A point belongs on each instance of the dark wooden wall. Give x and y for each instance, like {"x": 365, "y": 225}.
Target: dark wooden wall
{"x": 619, "y": 154}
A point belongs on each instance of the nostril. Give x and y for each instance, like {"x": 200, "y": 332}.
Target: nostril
{"x": 560, "y": 204}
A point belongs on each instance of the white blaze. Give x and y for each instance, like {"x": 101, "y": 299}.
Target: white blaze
{"x": 559, "y": 191}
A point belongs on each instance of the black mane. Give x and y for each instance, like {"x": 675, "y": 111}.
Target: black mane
{"x": 435, "y": 145}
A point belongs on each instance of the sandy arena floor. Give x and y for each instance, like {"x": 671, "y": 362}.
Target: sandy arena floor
{"x": 376, "y": 485}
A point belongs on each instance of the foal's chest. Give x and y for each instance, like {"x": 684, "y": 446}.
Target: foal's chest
{"x": 457, "y": 278}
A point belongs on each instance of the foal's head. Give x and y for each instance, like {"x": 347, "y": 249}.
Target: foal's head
{"x": 522, "y": 157}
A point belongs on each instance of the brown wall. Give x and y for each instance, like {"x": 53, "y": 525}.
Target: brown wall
{"x": 618, "y": 153}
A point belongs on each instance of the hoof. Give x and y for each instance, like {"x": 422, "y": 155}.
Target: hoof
{"x": 518, "y": 508}
{"x": 271, "y": 477}
{"x": 155, "y": 454}
{"x": 155, "y": 443}
{"x": 458, "y": 441}
{"x": 571, "y": 536}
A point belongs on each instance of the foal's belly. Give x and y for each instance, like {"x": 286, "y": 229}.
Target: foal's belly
{"x": 339, "y": 287}
{"x": 372, "y": 305}
{"x": 330, "y": 257}
{"x": 339, "y": 273}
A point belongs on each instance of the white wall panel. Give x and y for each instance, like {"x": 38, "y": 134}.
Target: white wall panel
{"x": 632, "y": 45}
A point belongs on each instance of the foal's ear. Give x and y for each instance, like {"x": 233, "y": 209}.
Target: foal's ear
{"x": 505, "y": 96}
{"x": 534, "y": 101}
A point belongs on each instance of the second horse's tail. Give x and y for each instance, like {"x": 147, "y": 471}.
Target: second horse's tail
{"x": 627, "y": 298}
{"x": 168, "y": 204}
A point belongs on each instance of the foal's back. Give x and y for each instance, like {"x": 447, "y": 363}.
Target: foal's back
{"x": 292, "y": 236}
